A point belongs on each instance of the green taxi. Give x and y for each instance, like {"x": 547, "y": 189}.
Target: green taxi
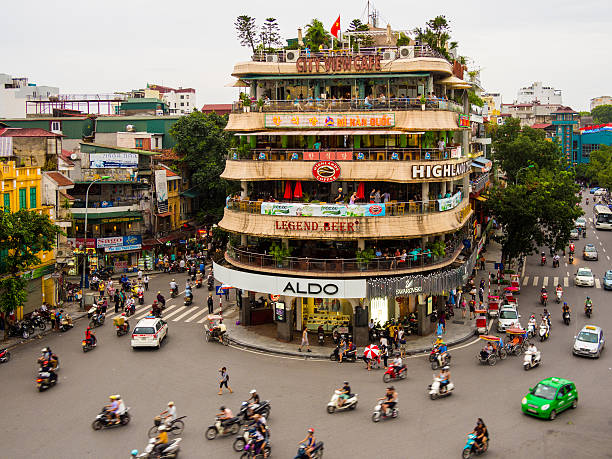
{"x": 549, "y": 397}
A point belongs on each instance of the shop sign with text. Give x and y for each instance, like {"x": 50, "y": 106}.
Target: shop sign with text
{"x": 334, "y": 227}
{"x": 326, "y": 171}
{"x": 298, "y": 209}
{"x": 428, "y": 171}
{"x": 366, "y": 63}
{"x": 330, "y": 120}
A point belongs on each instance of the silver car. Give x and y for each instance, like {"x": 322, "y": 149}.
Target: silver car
{"x": 590, "y": 252}
{"x": 589, "y": 342}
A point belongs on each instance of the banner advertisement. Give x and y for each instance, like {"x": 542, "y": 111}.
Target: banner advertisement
{"x": 330, "y": 120}
{"x": 109, "y": 241}
{"x": 161, "y": 189}
{"x": 116, "y": 175}
{"x": 320, "y": 210}
{"x": 456, "y": 152}
{"x": 77, "y": 243}
{"x": 104, "y": 160}
{"x": 449, "y": 203}
{"x": 123, "y": 248}
{"x": 119, "y": 243}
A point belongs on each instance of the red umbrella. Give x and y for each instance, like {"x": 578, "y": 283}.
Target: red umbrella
{"x": 371, "y": 352}
{"x": 297, "y": 192}
{"x": 361, "y": 191}
{"x": 287, "y": 190}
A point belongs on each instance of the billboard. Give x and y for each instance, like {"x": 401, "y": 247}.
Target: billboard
{"x": 112, "y": 160}
{"x": 322, "y": 210}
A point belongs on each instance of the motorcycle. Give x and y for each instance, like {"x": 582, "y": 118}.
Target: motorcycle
{"x": 169, "y": 452}
{"x": 198, "y": 283}
{"x": 231, "y": 427}
{"x": 543, "y": 260}
{"x": 5, "y": 355}
{"x": 570, "y": 259}
{"x": 45, "y": 380}
{"x": 97, "y": 320}
{"x": 349, "y": 404}
{"x": 54, "y": 361}
{"x": 102, "y": 420}
{"x": 434, "y": 389}
{"x": 174, "y": 428}
{"x": 123, "y": 329}
{"x": 263, "y": 408}
{"x": 316, "y": 453}
{"x": 393, "y": 373}
{"x": 544, "y": 298}
{"x": 188, "y": 300}
{"x": 210, "y": 282}
{"x": 321, "y": 336}
{"x": 584, "y": 233}
{"x": 349, "y": 356}
{"x": 566, "y": 318}
{"x": 588, "y": 310}
{"x": 531, "y": 330}
{"x": 242, "y": 440}
{"x": 440, "y": 361}
{"x": 87, "y": 345}
{"x": 21, "y": 329}
{"x": 37, "y": 321}
{"x": 543, "y": 333}
{"x": 380, "y": 414}
{"x": 251, "y": 452}
{"x": 530, "y": 360}
{"x": 471, "y": 447}
{"x": 174, "y": 292}
{"x": 140, "y": 298}
{"x": 558, "y": 296}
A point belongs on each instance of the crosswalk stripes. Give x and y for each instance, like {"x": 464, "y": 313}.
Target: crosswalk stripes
{"x": 545, "y": 281}
{"x": 597, "y": 283}
{"x": 186, "y": 313}
{"x": 526, "y": 280}
{"x": 535, "y": 280}
{"x": 197, "y": 315}
{"x": 173, "y": 313}
{"x": 565, "y": 282}
{"x": 556, "y": 281}
{"x": 201, "y": 321}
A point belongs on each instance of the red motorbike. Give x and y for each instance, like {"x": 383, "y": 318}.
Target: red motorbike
{"x": 544, "y": 298}
{"x": 394, "y": 373}
{"x": 543, "y": 261}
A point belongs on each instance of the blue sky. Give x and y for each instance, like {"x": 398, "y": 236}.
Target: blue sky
{"x": 88, "y": 47}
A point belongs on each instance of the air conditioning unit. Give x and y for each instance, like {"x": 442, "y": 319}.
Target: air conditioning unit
{"x": 292, "y": 55}
{"x": 388, "y": 55}
{"x": 406, "y": 52}
{"x": 271, "y": 57}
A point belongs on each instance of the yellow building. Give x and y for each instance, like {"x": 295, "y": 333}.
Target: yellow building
{"x": 22, "y": 190}
{"x": 172, "y": 219}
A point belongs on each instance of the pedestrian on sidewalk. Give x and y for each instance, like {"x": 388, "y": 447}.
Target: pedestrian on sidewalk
{"x": 472, "y": 309}
{"x": 226, "y": 292}
{"x": 224, "y": 381}
{"x": 139, "y": 275}
{"x": 305, "y": 341}
{"x": 384, "y": 349}
{"x": 210, "y": 303}
{"x": 463, "y": 308}
{"x": 481, "y": 294}
{"x": 401, "y": 340}
{"x": 442, "y": 321}
{"x": 482, "y": 263}
{"x": 117, "y": 300}
{"x": 146, "y": 282}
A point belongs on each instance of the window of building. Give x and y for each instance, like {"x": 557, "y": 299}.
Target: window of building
{"x": 23, "y": 204}
{"x": 182, "y": 104}
{"x": 156, "y": 142}
{"x": 56, "y": 126}
{"x": 138, "y": 143}
{"x": 7, "y": 202}
{"x": 33, "y": 198}
{"x": 187, "y": 96}
{"x": 188, "y": 104}
{"x": 182, "y": 96}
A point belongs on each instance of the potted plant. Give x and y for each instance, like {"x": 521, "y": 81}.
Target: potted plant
{"x": 437, "y": 248}
{"x": 246, "y": 102}
{"x": 280, "y": 254}
{"x": 260, "y": 104}
{"x": 423, "y": 101}
{"x": 364, "y": 257}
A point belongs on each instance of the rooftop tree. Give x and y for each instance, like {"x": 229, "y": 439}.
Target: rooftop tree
{"x": 269, "y": 34}
{"x": 316, "y": 35}
{"x": 436, "y": 34}
{"x": 247, "y": 31}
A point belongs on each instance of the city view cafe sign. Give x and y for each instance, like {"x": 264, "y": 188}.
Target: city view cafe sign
{"x": 361, "y": 62}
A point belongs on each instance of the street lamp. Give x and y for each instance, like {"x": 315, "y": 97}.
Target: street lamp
{"x": 531, "y": 166}
{"x": 104, "y": 177}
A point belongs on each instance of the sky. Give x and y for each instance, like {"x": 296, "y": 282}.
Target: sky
{"x": 112, "y": 45}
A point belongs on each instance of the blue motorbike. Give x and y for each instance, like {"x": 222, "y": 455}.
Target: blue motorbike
{"x": 471, "y": 447}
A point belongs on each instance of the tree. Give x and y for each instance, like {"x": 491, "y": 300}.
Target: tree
{"x": 316, "y": 35}
{"x": 23, "y": 235}
{"x": 204, "y": 145}
{"x": 599, "y": 169}
{"x": 403, "y": 40}
{"x": 516, "y": 148}
{"x": 269, "y": 35}
{"x": 247, "y": 31}
{"x": 602, "y": 114}
{"x": 361, "y": 39}
{"x": 436, "y": 34}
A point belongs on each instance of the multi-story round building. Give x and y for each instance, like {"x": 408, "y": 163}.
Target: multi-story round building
{"x": 354, "y": 174}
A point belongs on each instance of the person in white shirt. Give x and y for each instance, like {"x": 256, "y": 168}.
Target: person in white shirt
{"x": 169, "y": 414}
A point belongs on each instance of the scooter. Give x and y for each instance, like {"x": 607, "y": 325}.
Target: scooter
{"x": 543, "y": 333}
{"x": 316, "y": 453}
{"x": 434, "y": 389}
{"x": 349, "y": 356}
{"x": 243, "y": 439}
{"x": 123, "y": 329}
{"x": 531, "y": 360}
{"x": 66, "y": 324}
{"x": 558, "y": 296}
{"x": 87, "y": 345}
{"x": 555, "y": 263}
{"x": 188, "y": 300}
{"x": 588, "y": 310}
{"x": 570, "y": 259}
{"x": 543, "y": 260}
{"x": 198, "y": 283}
{"x": 45, "y": 380}
{"x": 140, "y": 298}
{"x": 439, "y": 362}
{"x": 321, "y": 336}
{"x": 566, "y": 318}
{"x": 380, "y": 414}
{"x": 531, "y": 330}
{"x": 174, "y": 292}
{"x": 97, "y": 320}
{"x": 471, "y": 447}
{"x": 544, "y": 298}
{"x": 169, "y": 452}
{"x": 263, "y": 408}
{"x": 5, "y": 356}
{"x": 211, "y": 283}
{"x": 232, "y": 427}
{"x": 349, "y": 404}
{"x": 102, "y": 420}
{"x": 393, "y": 373}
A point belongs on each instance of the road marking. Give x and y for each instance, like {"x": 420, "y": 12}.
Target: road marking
{"x": 604, "y": 249}
{"x": 201, "y": 321}
{"x": 196, "y": 315}
{"x": 597, "y": 236}
{"x": 545, "y": 281}
{"x": 189, "y": 311}
{"x": 566, "y": 265}
{"x": 566, "y": 281}
{"x": 608, "y": 257}
{"x": 597, "y": 283}
{"x": 535, "y": 280}
{"x": 526, "y": 280}
{"x": 556, "y": 281}
{"x": 167, "y": 316}
{"x": 168, "y": 308}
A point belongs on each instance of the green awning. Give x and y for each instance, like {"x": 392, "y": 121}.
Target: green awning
{"x": 335, "y": 76}
{"x": 133, "y": 215}
{"x": 191, "y": 194}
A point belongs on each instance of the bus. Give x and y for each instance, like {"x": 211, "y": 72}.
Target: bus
{"x": 602, "y": 217}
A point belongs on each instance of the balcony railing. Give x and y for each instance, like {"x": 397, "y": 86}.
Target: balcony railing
{"x": 348, "y": 105}
{"x": 97, "y": 204}
{"x": 314, "y": 209}
{"x": 280, "y": 56}
{"x": 478, "y": 184}
{"x": 412, "y": 260}
{"x": 348, "y": 154}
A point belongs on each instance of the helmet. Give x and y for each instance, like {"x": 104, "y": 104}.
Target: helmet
{"x": 172, "y": 280}
{"x": 88, "y": 328}
{"x": 123, "y": 314}
{"x": 44, "y": 349}
{"x": 170, "y": 403}
{"x": 311, "y": 430}
{"x": 253, "y": 391}
{"x": 446, "y": 367}
{"x": 222, "y": 407}
{"x": 346, "y": 382}
{"x": 162, "y": 428}
{"x": 134, "y": 453}
{"x": 588, "y": 298}
{"x": 112, "y": 397}
{"x": 390, "y": 388}
{"x": 159, "y": 293}
{"x": 565, "y": 304}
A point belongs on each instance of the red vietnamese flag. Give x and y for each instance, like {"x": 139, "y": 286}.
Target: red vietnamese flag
{"x": 336, "y": 28}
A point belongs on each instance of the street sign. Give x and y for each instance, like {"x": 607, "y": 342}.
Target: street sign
{"x": 219, "y": 290}
{"x": 499, "y": 266}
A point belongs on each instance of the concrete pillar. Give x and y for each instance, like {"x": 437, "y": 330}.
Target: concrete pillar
{"x": 362, "y": 93}
{"x": 298, "y": 314}
{"x": 317, "y": 90}
{"x": 285, "y": 243}
{"x": 243, "y": 189}
{"x": 361, "y": 244}
{"x": 425, "y": 192}
{"x": 284, "y": 330}
{"x": 424, "y": 241}
{"x": 466, "y": 186}
{"x": 253, "y": 89}
{"x": 245, "y": 312}
{"x": 243, "y": 240}
{"x": 429, "y": 84}
{"x": 443, "y": 188}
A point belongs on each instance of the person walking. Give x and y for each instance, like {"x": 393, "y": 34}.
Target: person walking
{"x": 146, "y": 282}
{"x": 442, "y": 321}
{"x": 117, "y": 300}
{"x": 210, "y": 303}
{"x": 384, "y": 350}
{"x": 226, "y": 293}
{"x": 305, "y": 341}
{"x": 224, "y": 381}
{"x": 140, "y": 275}
{"x": 482, "y": 263}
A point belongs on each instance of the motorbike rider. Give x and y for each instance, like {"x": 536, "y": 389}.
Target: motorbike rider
{"x": 259, "y": 441}
{"x": 308, "y": 443}
{"x": 130, "y": 304}
{"x": 112, "y": 409}
{"x": 559, "y": 289}
{"x": 126, "y": 322}
{"x": 188, "y": 291}
{"x": 543, "y": 292}
{"x": 169, "y": 414}
{"x": 481, "y": 432}
{"x": 46, "y": 353}
{"x": 48, "y": 367}
{"x": 261, "y": 425}
{"x": 543, "y": 255}
{"x": 161, "y": 300}
{"x": 390, "y": 399}
{"x": 546, "y": 314}
{"x": 544, "y": 323}
{"x": 588, "y": 304}
{"x": 224, "y": 415}
{"x": 344, "y": 393}
{"x": 398, "y": 363}
{"x": 556, "y": 259}
{"x": 565, "y": 309}
{"x": 532, "y": 322}
{"x": 90, "y": 337}
{"x": 173, "y": 286}
{"x": 533, "y": 350}
{"x": 253, "y": 401}
{"x": 444, "y": 378}
{"x": 162, "y": 439}
{"x": 572, "y": 248}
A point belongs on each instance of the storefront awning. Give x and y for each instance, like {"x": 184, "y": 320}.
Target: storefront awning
{"x": 482, "y": 163}
{"x": 111, "y": 216}
{"x": 165, "y": 214}
{"x": 339, "y": 76}
{"x": 333, "y": 132}
{"x": 481, "y": 198}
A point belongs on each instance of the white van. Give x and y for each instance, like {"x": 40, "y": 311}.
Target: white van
{"x": 149, "y": 332}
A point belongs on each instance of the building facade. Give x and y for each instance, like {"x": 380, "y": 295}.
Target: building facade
{"x": 15, "y": 92}
{"x": 355, "y": 179}
{"x": 536, "y": 92}
{"x": 565, "y": 122}
{"x": 180, "y": 101}
{"x": 601, "y": 100}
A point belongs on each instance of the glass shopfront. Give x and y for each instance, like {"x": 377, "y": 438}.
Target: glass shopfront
{"x": 329, "y": 312}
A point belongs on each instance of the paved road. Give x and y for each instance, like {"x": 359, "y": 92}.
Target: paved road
{"x": 185, "y": 370}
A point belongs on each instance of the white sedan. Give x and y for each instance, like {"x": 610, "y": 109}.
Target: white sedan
{"x": 584, "y": 278}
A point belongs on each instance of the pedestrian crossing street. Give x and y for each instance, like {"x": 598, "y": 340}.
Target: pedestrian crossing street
{"x": 172, "y": 313}
{"x": 543, "y": 281}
